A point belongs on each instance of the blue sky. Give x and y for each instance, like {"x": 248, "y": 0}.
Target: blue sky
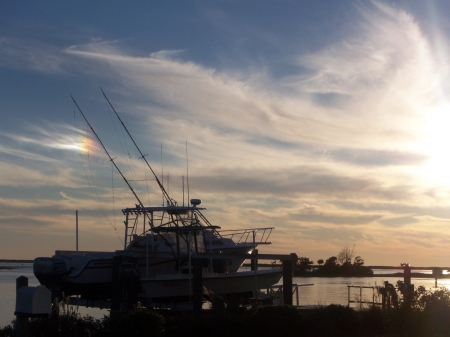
{"x": 326, "y": 119}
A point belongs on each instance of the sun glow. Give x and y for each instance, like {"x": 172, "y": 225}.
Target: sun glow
{"x": 436, "y": 145}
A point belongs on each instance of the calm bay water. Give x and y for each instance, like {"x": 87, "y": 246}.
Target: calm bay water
{"x": 325, "y": 291}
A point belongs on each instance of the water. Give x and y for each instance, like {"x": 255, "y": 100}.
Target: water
{"x": 333, "y": 290}
{"x": 325, "y": 291}
{"x": 8, "y": 291}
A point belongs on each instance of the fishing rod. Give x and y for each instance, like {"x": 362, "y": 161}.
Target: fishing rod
{"x": 110, "y": 158}
{"x": 170, "y": 201}
{"x": 163, "y": 190}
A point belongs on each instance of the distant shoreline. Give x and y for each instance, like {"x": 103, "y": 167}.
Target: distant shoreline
{"x": 397, "y": 274}
{"x": 12, "y": 261}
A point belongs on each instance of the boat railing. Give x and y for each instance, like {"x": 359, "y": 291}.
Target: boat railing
{"x": 258, "y": 236}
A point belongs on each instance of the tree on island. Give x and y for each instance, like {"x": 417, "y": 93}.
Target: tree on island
{"x": 345, "y": 256}
{"x": 303, "y": 264}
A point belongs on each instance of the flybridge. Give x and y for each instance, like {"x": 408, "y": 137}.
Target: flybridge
{"x": 168, "y": 209}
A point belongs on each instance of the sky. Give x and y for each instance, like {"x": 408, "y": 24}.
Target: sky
{"x": 327, "y": 120}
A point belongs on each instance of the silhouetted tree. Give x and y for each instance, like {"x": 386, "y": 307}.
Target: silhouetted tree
{"x": 345, "y": 256}
{"x": 331, "y": 261}
{"x": 358, "y": 261}
{"x": 303, "y": 265}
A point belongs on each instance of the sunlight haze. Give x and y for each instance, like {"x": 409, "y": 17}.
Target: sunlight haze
{"x": 328, "y": 120}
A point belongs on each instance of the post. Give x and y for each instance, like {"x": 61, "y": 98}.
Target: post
{"x": 348, "y": 296}
{"x": 76, "y": 216}
{"x": 407, "y": 293}
{"x": 373, "y": 296}
{"x": 388, "y": 294}
{"x": 407, "y": 275}
{"x": 254, "y": 267}
{"x": 383, "y": 296}
{"x": 190, "y": 266}
{"x": 287, "y": 281}
{"x": 146, "y": 255}
{"x": 436, "y": 274}
{"x": 254, "y": 262}
{"x": 360, "y": 298}
{"x": 116, "y": 289}
{"x": 197, "y": 285}
{"x": 21, "y": 321}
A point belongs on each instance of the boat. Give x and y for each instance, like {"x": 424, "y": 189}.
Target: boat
{"x": 158, "y": 246}
{"x": 160, "y": 258}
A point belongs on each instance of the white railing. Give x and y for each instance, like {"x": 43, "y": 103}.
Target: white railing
{"x": 359, "y": 299}
{"x": 276, "y": 292}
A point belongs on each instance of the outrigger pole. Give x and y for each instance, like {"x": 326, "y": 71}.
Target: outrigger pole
{"x": 163, "y": 190}
{"x": 110, "y": 158}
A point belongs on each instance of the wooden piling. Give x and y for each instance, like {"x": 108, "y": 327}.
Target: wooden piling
{"x": 22, "y": 322}
{"x": 197, "y": 287}
{"x": 116, "y": 288}
{"x": 254, "y": 261}
{"x": 287, "y": 281}
{"x": 407, "y": 293}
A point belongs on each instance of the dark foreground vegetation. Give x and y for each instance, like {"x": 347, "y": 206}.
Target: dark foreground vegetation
{"x": 426, "y": 315}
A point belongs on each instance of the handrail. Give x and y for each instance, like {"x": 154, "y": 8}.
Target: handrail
{"x": 360, "y": 301}
{"x": 282, "y": 257}
{"x": 277, "y": 290}
{"x": 243, "y": 235}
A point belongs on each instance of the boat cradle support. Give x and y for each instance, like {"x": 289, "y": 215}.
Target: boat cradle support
{"x": 287, "y": 260}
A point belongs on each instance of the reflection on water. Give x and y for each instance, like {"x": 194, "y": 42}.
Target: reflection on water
{"x": 331, "y": 290}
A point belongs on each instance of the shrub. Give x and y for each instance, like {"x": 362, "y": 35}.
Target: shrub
{"x": 141, "y": 322}
{"x": 70, "y": 324}
{"x": 8, "y": 330}
{"x": 332, "y": 320}
{"x": 373, "y": 321}
{"x": 276, "y": 321}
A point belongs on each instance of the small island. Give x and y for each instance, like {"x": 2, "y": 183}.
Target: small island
{"x": 342, "y": 265}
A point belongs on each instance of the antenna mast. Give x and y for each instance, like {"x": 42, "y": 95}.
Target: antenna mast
{"x": 187, "y": 173}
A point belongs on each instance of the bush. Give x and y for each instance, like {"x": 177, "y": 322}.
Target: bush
{"x": 373, "y": 321}
{"x": 435, "y": 306}
{"x": 276, "y": 321}
{"x": 70, "y": 325}
{"x": 8, "y": 331}
{"x": 141, "y": 322}
{"x": 332, "y": 320}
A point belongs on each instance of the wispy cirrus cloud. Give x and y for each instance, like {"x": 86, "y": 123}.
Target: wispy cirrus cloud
{"x": 327, "y": 153}
{"x": 29, "y": 53}
{"x": 384, "y": 72}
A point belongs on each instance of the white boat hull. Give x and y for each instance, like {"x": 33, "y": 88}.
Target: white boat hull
{"x": 180, "y": 286}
